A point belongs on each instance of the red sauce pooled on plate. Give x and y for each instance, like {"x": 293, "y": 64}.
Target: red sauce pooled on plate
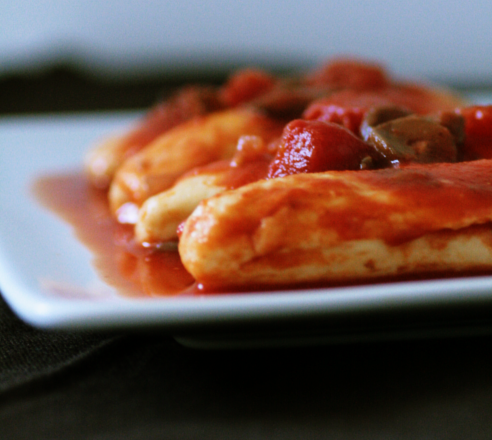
{"x": 130, "y": 269}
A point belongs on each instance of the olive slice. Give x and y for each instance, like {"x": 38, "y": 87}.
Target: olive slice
{"x": 413, "y": 139}
{"x": 379, "y": 115}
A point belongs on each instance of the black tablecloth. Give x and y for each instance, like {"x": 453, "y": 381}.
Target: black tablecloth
{"x": 69, "y": 385}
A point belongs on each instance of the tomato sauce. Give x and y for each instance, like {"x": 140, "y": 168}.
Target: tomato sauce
{"x": 131, "y": 269}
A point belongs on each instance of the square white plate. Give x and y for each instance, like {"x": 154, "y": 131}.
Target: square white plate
{"x": 36, "y": 246}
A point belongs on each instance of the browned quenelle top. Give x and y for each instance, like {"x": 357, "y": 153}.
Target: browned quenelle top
{"x": 429, "y": 197}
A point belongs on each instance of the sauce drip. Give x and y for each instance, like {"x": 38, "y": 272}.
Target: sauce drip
{"x": 132, "y": 270}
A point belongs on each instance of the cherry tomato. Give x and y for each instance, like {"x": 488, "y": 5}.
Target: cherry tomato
{"x": 350, "y": 73}
{"x": 314, "y": 146}
{"x": 478, "y": 132}
{"x": 346, "y": 108}
{"x": 246, "y": 85}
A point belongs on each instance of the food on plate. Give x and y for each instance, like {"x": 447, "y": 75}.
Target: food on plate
{"x": 194, "y": 143}
{"x": 343, "y": 225}
{"x": 339, "y": 175}
{"x": 103, "y": 161}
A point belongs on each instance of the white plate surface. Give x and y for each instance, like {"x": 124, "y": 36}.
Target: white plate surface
{"x": 38, "y": 249}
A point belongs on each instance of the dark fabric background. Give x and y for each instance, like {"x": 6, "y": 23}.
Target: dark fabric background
{"x": 59, "y": 385}
{"x": 63, "y": 87}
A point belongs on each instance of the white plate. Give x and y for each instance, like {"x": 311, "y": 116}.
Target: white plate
{"x": 39, "y": 250}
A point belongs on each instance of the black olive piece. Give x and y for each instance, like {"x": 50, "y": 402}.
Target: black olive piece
{"x": 379, "y": 115}
{"x": 413, "y": 139}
